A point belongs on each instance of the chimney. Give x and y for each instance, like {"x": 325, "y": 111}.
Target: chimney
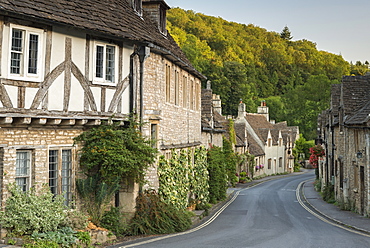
{"x": 157, "y": 11}
{"x": 216, "y": 103}
{"x": 263, "y": 110}
{"x": 241, "y": 110}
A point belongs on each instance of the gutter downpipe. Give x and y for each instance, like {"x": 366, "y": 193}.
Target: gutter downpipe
{"x": 144, "y": 53}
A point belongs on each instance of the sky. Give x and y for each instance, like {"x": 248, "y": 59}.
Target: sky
{"x": 336, "y": 26}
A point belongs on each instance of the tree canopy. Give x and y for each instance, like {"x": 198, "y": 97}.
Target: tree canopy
{"x": 250, "y": 63}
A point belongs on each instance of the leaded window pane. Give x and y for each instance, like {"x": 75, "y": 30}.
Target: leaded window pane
{"x": 33, "y": 53}
{"x": 99, "y": 61}
{"x": 110, "y": 61}
{"x": 22, "y": 169}
{"x": 53, "y": 171}
{"x": 16, "y": 51}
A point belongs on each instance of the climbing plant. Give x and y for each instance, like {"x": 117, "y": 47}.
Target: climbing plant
{"x": 183, "y": 178}
{"x": 113, "y": 151}
{"x": 217, "y": 174}
{"x": 199, "y": 185}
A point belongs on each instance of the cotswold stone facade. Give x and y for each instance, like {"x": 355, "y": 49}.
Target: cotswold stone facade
{"x": 171, "y": 103}
{"x": 271, "y": 144}
{"x": 37, "y": 144}
{"x": 344, "y": 132}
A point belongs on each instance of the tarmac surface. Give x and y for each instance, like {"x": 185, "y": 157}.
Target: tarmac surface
{"x": 317, "y": 205}
{"x": 328, "y": 211}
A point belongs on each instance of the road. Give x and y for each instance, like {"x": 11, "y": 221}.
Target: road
{"x": 266, "y": 215}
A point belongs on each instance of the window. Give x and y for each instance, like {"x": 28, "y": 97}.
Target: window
{"x": 25, "y": 53}
{"x": 185, "y": 91}
{"x": 154, "y": 134}
{"x": 192, "y": 94}
{"x": 168, "y": 83}
{"x": 280, "y": 162}
{"x": 60, "y": 173}
{"x": 105, "y": 63}
{"x": 162, "y": 20}
{"x": 23, "y": 169}
{"x": 177, "y": 88}
{"x": 137, "y": 5}
{"x": 269, "y": 161}
{"x": 197, "y": 94}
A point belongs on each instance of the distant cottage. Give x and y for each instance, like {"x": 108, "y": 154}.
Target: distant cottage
{"x": 271, "y": 144}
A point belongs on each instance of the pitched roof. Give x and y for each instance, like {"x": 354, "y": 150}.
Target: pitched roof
{"x": 115, "y": 19}
{"x": 362, "y": 116}
{"x": 355, "y": 93}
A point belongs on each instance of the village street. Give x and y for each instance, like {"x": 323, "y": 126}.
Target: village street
{"x": 271, "y": 214}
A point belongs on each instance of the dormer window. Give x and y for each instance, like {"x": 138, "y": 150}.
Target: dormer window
{"x": 162, "y": 20}
{"x": 137, "y": 5}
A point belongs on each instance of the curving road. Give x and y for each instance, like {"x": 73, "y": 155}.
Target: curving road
{"x": 267, "y": 215}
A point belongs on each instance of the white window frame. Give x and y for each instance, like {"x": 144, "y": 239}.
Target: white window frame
{"x": 19, "y": 174}
{"x": 102, "y": 80}
{"x": 25, "y": 54}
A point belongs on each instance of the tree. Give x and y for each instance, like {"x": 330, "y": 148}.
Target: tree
{"x": 285, "y": 34}
{"x": 112, "y": 151}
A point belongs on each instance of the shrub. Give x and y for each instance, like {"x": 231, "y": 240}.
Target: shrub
{"x": 154, "y": 216}
{"x": 217, "y": 175}
{"x": 41, "y": 244}
{"x": 328, "y": 193}
{"x": 75, "y": 219}
{"x": 84, "y": 238}
{"x": 64, "y": 237}
{"x": 31, "y": 211}
{"x": 114, "y": 221}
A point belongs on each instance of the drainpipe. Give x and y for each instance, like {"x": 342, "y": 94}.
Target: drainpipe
{"x": 132, "y": 86}
{"x": 144, "y": 53}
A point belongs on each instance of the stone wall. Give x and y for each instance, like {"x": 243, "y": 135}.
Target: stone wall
{"x": 178, "y": 121}
{"x": 38, "y": 142}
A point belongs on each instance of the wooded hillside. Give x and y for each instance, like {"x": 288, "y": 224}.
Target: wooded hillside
{"x": 249, "y": 63}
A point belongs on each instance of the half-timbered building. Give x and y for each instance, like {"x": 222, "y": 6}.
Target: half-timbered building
{"x": 68, "y": 65}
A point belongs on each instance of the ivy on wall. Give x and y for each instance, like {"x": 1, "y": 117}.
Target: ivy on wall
{"x": 183, "y": 179}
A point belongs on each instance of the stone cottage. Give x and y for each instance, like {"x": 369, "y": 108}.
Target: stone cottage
{"x": 271, "y": 144}
{"x": 69, "y": 65}
{"x": 344, "y": 132}
{"x": 214, "y": 124}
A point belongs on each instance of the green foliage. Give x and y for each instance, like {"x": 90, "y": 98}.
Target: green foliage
{"x": 249, "y": 63}
{"x": 230, "y": 161}
{"x": 75, "y": 219}
{"x": 31, "y": 212}
{"x": 328, "y": 194}
{"x": 64, "y": 237}
{"x": 114, "y": 221}
{"x": 285, "y": 34}
{"x": 84, "y": 238}
{"x": 301, "y": 150}
{"x": 309, "y": 100}
{"x": 41, "y": 244}
{"x": 182, "y": 179}
{"x": 174, "y": 185}
{"x": 112, "y": 152}
{"x": 96, "y": 195}
{"x": 199, "y": 178}
{"x": 153, "y": 216}
{"x": 359, "y": 68}
{"x": 217, "y": 175}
